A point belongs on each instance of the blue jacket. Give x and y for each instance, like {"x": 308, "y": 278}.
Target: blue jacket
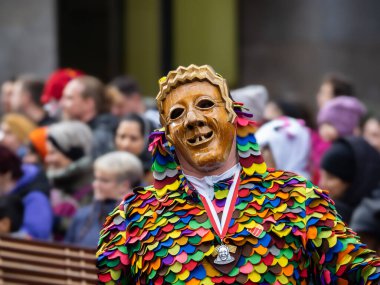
{"x": 33, "y": 189}
{"x": 87, "y": 223}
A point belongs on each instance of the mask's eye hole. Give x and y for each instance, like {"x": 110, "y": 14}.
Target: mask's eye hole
{"x": 205, "y": 104}
{"x": 174, "y": 114}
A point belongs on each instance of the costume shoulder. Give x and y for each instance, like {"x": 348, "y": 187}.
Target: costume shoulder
{"x": 336, "y": 253}
{"x": 124, "y": 228}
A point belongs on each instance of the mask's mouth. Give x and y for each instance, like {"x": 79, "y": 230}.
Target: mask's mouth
{"x": 200, "y": 139}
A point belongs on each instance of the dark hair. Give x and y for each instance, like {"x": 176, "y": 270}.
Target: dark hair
{"x": 12, "y": 207}
{"x": 367, "y": 117}
{"x": 94, "y": 88}
{"x": 146, "y": 127}
{"x": 127, "y": 85}
{"x": 33, "y": 86}
{"x": 295, "y": 110}
{"x": 10, "y": 162}
{"x": 341, "y": 85}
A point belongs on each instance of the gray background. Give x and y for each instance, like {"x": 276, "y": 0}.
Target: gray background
{"x": 27, "y": 37}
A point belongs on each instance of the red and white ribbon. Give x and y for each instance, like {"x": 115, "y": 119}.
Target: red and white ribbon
{"x": 221, "y": 227}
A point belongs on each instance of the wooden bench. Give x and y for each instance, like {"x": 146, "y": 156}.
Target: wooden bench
{"x": 35, "y": 262}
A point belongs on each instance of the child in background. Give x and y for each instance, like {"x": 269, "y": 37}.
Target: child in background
{"x": 340, "y": 117}
{"x": 337, "y": 118}
{"x": 285, "y": 144}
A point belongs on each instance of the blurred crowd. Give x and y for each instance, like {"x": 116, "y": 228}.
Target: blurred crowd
{"x": 71, "y": 147}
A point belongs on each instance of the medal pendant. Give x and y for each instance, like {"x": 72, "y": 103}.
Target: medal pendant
{"x": 223, "y": 255}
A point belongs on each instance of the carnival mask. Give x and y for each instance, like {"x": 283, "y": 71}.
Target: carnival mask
{"x": 198, "y": 124}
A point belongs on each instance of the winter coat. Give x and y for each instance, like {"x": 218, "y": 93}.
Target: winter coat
{"x": 71, "y": 190}
{"x": 33, "y": 188}
{"x": 103, "y": 127}
{"x": 87, "y": 223}
{"x": 366, "y": 179}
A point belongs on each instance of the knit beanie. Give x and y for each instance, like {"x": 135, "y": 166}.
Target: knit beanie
{"x": 38, "y": 141}
{"x": 72, "y": 138}
{"x": 254, "y": 98}
{"x": 56, "y": 83}
{"x": 339, "y": 160}
{"x": 343, "y": 113}
{"x": 20, "y": 125}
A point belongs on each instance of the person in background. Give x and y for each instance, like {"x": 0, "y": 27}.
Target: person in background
{"x": 128, "y": 99}
{"x": 115, "y": 175}
{"x": 53, "y": 89}
{"x": 340, "y": 117}
{"x": 334, "y": 85}
{"x": 277, "y": 108}
{"x": 371, "y": 131}
{"x": 26, "y": 99}
{"x": 84, "y": 100}
{"x": 14, "y": 131}
{"x": 350, "y": 171}
{"x": 132, "y": 135}
{"x": 366, "y": 221}
{"x": 255, "y": 98}
{"x": 29, "y": 183}
{"x": 69, "y": 169}
{"x": 11, "y": 215}
{"x": 285, "y": 144}
{"x": 5, "y": 96}
{"x": 129, "y": 96}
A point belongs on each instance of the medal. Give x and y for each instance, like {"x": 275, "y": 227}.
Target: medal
{"x": 223, "y": 251}
{"x": 223, "y": 254}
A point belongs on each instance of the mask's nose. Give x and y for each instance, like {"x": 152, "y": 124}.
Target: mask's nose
{"x": 193, "y": 120}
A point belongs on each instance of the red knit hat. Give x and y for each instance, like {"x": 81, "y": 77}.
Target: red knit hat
{"x": 56, "y": 83}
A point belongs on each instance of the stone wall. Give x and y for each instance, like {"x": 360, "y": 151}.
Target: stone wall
{"x": 27, "y": 37}
{"x": 289, "y": 45}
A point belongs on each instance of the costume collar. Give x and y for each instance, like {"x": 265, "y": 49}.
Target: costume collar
{"x": 205, "y": 185}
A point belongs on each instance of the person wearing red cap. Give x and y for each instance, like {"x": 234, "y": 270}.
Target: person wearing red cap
{"x": 54, "y": 86}
{"x": 84, "y": 100}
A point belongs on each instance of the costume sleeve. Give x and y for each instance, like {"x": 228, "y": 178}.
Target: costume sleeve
{"x": 112, "y": 257}
{"x": 337, "y": 255}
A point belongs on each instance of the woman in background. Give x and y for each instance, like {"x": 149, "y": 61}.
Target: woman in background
{"x": 132, "y": 135}
{"x": 14, "y": 132}
{"x": 115, "y": 175}
{"x": 69, "y": 169}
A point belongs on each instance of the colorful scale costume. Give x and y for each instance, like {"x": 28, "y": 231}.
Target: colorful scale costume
{"x": 162, "y": 235}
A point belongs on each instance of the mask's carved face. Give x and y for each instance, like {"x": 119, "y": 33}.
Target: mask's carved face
{"x": 197, "y": 125}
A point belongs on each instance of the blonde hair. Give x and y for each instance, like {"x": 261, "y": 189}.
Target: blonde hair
{"x": 20, "y": 125}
